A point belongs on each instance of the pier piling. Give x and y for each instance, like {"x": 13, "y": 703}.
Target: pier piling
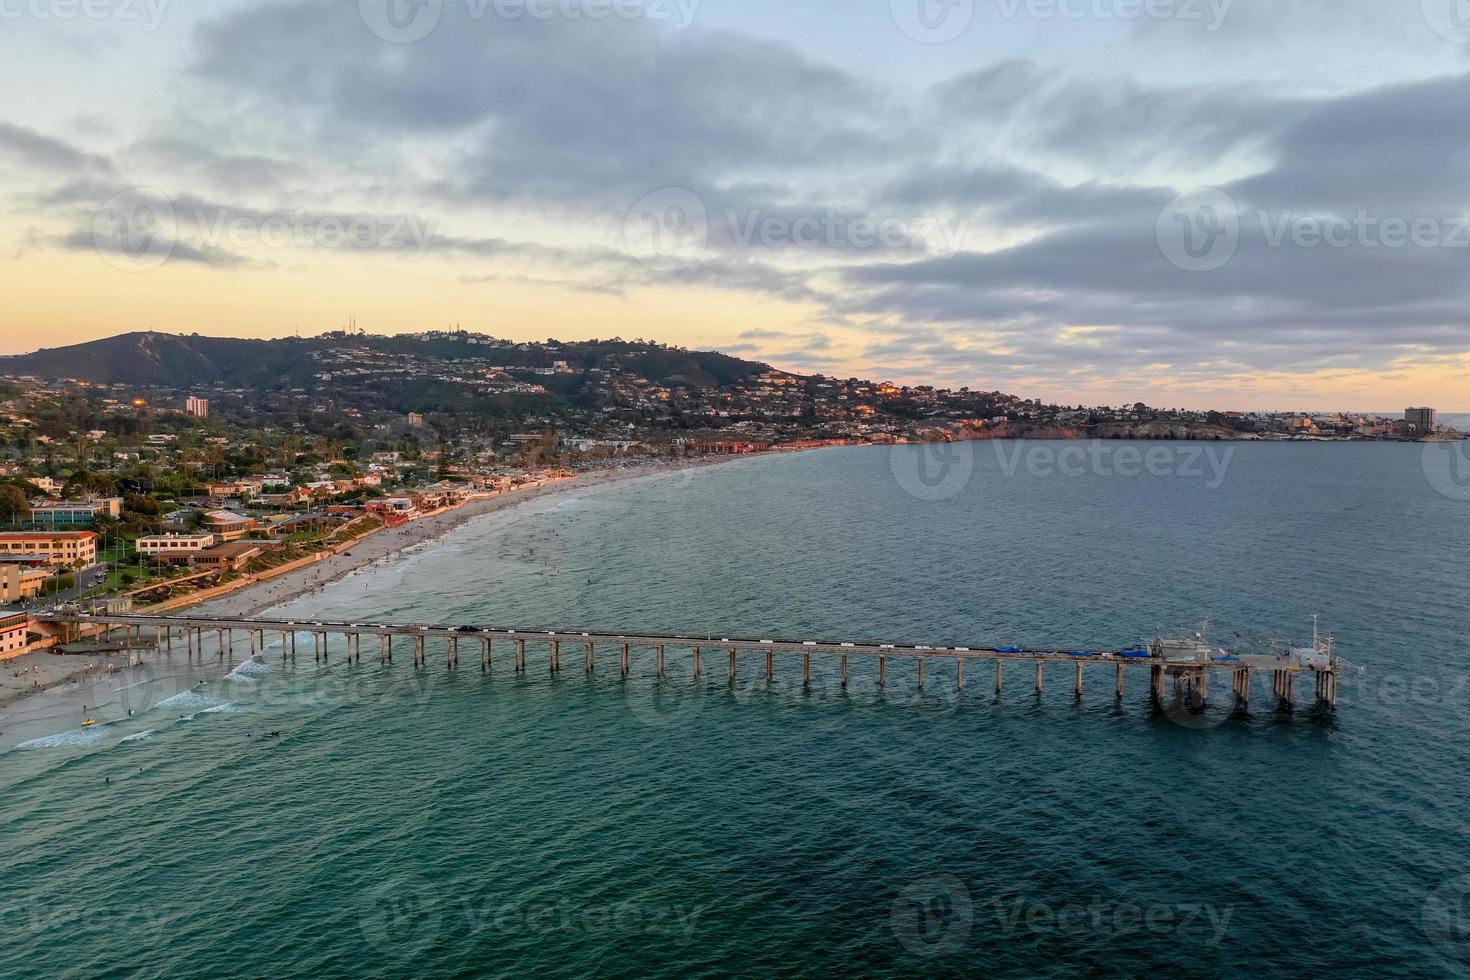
{"x": 1079, "y": 681}
{"x": 1039, "y": 678}
{"x": 520, "y": 656}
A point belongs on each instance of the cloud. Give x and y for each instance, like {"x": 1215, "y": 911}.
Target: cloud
{"x": 522, "y": 146}
{"x": 47, "y": 153}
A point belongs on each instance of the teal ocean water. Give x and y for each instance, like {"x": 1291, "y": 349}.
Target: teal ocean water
{"x": 459, "y": 824}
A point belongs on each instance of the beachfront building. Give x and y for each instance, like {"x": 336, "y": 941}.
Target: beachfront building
{"x": 394, "y": 511}
{"x": 75, "y": 513}
{"x": 18, "y": 583}
{"x": 179, "y": 548}
{"x": 14, "y": 636}
{"x": 230, "y": 557}
{"x": 59, "y": 549}
{"x": 227, "y": 525}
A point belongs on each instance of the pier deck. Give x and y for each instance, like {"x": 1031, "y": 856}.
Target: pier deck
{"x": 1194, "y": 675}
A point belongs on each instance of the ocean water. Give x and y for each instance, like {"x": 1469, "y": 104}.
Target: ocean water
{"x": 277, "y": 818}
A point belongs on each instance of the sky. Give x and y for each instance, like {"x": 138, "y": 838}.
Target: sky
{"x": 1232, "y": 204}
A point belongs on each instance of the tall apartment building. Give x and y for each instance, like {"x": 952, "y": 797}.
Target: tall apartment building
{"x": 1419, "y": 420}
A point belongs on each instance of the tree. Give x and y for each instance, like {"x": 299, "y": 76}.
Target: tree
{"x": 14, "y": 507}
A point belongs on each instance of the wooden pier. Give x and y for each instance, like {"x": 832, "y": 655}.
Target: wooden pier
{"x": 1191, "y": 678}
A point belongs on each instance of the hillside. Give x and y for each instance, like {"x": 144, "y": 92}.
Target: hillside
{"x": 182, "y": 361}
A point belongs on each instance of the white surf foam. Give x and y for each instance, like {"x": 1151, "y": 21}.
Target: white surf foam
{"x": 196, "y": 703}
{"x": 139, "y": 737}
{"x": 249, "y": 670}
{"x": 66, "y": 740}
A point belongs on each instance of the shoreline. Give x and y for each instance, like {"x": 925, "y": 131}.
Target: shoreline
{"x": 41, "y": 686}
{"x": 388, "y": 543}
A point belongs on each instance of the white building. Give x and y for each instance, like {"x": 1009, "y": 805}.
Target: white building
{"x": 173, "y": 545}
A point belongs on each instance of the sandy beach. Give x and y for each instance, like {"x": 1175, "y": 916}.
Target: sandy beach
{"x": 251, "y": 600}
{"x": 42, "y": 693}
